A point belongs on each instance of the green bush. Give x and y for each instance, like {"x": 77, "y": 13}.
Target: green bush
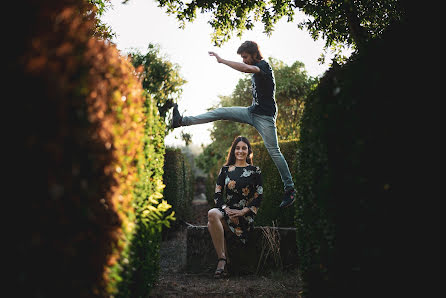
{"x": 179, "y": 180}
{"x": 90, "y": 152}
{"x": 272, "y": 184}
{"x": 138, "y": 267}
{"x": 351, "y": 163}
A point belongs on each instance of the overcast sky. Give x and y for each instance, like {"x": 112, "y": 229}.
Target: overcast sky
{"x": 140, "y": 22}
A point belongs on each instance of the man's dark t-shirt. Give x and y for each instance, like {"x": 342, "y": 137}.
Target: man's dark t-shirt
{"x": 263, "y": 90}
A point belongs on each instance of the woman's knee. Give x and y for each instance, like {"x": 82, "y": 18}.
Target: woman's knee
{"x": 214, "y": 215}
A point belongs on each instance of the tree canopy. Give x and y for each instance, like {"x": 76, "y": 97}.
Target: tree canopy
{"x": 160, "y": 77}
{"x": 341, "y": 23}
{"x": 101, "y": 30}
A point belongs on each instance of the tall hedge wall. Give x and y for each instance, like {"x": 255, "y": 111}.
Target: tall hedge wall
{"x": 179, "y": 180}
{"x": 138, "y": 267}
{"x": 353, "y": 169}
{"x": 87, "y": 160}
{"x": 272, "y": 184}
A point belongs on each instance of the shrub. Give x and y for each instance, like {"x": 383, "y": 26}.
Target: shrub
{"x": 83, "y": 153}
{"x": 273, "y": 186}
{"x": 351, "y": 164}
{"x": 179, "y": 180}
{"x": 138, "y": 267}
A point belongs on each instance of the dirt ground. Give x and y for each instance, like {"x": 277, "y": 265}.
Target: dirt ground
{"x": 174, "y": 281}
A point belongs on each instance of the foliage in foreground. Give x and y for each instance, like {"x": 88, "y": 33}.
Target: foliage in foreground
{"x": 352, "y": 172}
{"x": 90, "y": 149}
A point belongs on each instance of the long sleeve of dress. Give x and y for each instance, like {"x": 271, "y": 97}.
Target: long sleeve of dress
{"x": 254, "y": 204}
{"x": 219, "y": 187}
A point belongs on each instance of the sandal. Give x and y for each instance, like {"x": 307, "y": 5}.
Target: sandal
{"x": 221, "y": 272}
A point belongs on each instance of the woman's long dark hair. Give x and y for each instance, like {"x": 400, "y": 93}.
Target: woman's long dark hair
{"x": 230, "y": 160}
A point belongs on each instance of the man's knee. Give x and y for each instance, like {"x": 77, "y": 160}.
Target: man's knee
{"x": 274, "y": 151}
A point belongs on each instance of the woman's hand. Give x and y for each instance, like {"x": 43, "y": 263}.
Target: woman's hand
{"x": 234, "y": 214}
{"x": 234, "y": 220}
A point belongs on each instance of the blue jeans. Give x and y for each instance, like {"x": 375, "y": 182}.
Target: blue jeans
{"x": 265, "y": 125}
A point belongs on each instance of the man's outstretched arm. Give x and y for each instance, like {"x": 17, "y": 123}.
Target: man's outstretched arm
{"x": 236, "y": 65}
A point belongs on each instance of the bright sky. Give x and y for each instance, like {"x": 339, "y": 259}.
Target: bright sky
{"x": 140, "y": 22}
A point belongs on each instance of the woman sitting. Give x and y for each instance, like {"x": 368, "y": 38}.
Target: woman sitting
{"x": 235, "y": 213}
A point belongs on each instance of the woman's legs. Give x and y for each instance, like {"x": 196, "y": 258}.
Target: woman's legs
{"x": 216, "y": 229}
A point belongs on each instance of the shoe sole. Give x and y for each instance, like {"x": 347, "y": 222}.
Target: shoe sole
{"x": 288, "y": 205}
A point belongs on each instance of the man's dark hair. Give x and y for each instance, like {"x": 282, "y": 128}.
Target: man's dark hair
{"x": 252, "y": 48}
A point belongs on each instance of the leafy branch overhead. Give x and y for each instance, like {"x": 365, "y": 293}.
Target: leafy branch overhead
{"x": 230, "y": 16}
{"x": 346, "y": 23}
{"x": 160, "y": 77}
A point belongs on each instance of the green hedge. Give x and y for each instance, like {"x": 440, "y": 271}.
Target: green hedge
{"x": 138, "y": 267}
{"x": 272, "y": 184}
{"x": 87, "y": 162}
{"x": 179, "y": 180}
{"x": 352, "y": 160}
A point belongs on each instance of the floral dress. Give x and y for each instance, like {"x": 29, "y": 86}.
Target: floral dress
{"x": 243, "y": 187}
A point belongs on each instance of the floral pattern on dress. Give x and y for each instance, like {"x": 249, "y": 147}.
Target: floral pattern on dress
{"x": 259, "y": 189}
{"x": 245, "y": 191}
{"x": 231, "y": 184}
{"x": 246, "y": 173}
{"x": 243, "y": 188}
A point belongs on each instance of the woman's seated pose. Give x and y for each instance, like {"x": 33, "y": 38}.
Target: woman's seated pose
{"x": 235, "y": 213}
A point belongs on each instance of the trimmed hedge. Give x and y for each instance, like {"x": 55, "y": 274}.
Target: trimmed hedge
{"x": 87, "y": 161}
{"x": 272, "y": 184}
{"x": 179, "y": 180}
{"x": 352, "y": 170}
{"x": 138, "y": 267}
